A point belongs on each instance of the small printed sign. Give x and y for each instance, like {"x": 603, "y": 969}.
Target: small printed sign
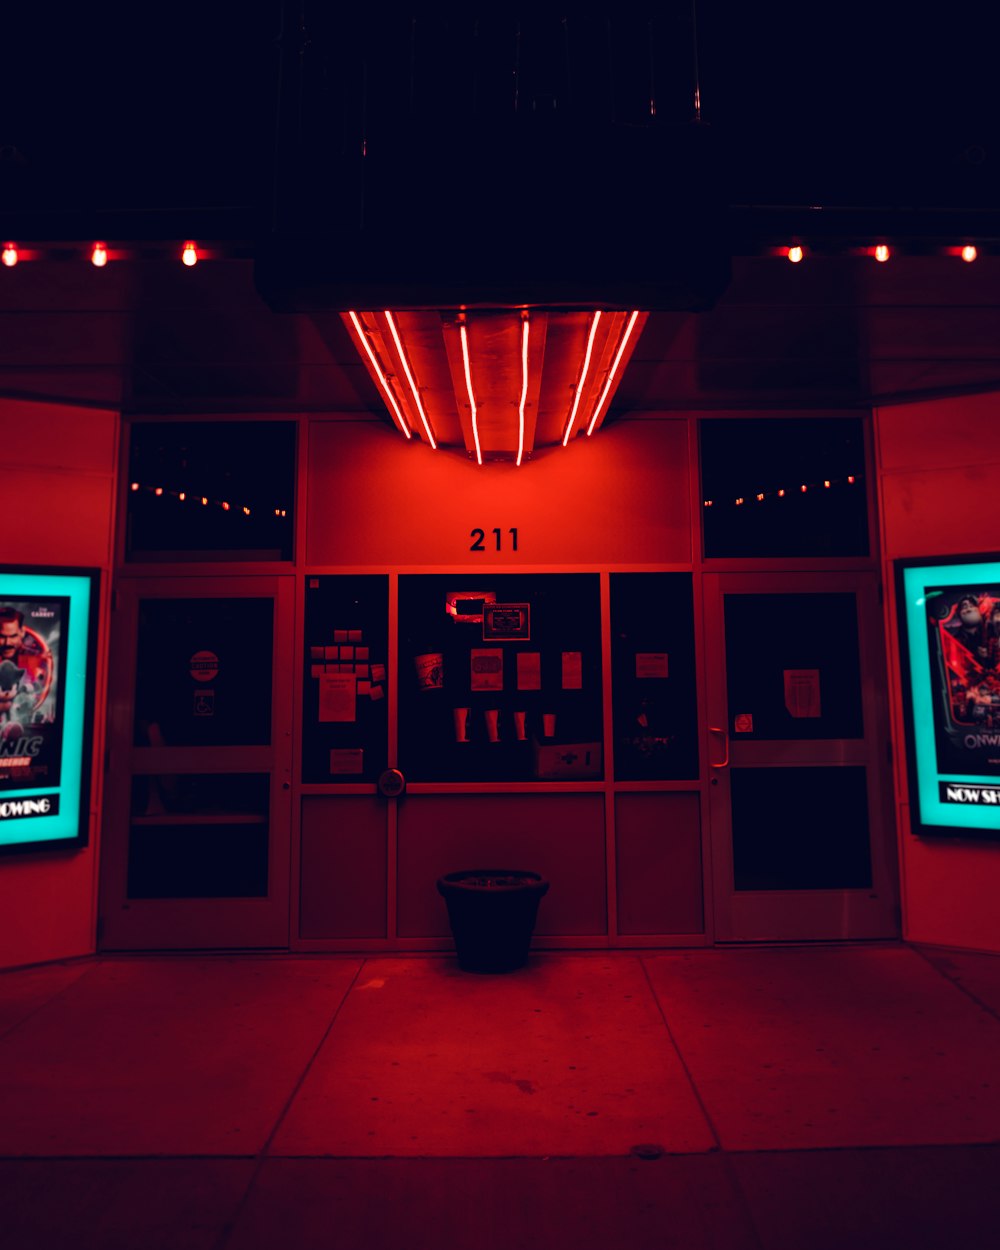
{"x": 744, "y": 723}
{"x": 652, "y": 664}
{"x": 204, "y": 665}
{"x": 204, "y": 703}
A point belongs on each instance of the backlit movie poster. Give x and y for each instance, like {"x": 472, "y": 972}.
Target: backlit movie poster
{"x": 964, "y": 639}
{"x": 33, "y": 639}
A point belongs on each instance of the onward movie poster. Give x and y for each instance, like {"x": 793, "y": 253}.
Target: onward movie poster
{"x": 33, "y": 638}
{"x": 964, "y": 633}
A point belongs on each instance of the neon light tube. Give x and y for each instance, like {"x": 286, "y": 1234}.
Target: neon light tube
{"x": 363, "y": 339}
{"x": 583, "y": 377}
{"x": 409, "y": 378}
{"x": 613, "y": 370}
{"x": 468, "y": 387}
{"x": 524, "y": 389}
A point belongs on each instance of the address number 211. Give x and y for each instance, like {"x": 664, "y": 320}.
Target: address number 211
{"x": 478, "y": 537}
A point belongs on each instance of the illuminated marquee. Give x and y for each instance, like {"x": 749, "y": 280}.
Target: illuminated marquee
{"x": 47, "y": 647}
{"x": 949, "y": 619}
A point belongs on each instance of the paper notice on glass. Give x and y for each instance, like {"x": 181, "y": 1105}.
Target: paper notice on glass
{"x": 572, "y": 670}
{"x": 802, "y": 692}
{"x": 486, "y": 671}
{"x": 529, "y": 670}
{"x": 347, "y": 761}
{"x": 652, "y": 664}
{"x": 338, "y": 697}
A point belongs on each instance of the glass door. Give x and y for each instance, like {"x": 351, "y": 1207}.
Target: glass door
{"x": 196, "y": 836}
{"x": 800, "y": 784}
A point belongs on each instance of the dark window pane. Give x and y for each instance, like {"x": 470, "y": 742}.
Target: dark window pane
{"x": 346, "y": 642}
{"x": 478, "y": 710}
{"x": 653, "y": 676}
{"x": 199, "y": 836}
{"x": 792, "y": 666}
{"x": 800, "y": 829}
{"x": 203, "y": 672}
{"x": 249, "y": 466}
{"x": 742, "y": 458}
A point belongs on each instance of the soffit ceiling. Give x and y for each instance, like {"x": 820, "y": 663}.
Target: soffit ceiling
{"x": 154, "y": 337}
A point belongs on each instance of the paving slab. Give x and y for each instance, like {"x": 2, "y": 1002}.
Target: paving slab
{"x": 166, "y": 1056}
{"x": 675, "y": 1202}
{"x": 102, "y": 1204}
{"x": 567, "y": 1056}
{"x": 976, "y": 973}
{"x": 920, "y": 1198}
{"x": 795, "y": 1048}
{"x": 24, "y": 990}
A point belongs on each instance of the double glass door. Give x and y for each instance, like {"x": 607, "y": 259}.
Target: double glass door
{"x": 800, "y": 786}
{"x": 198, "y": 786}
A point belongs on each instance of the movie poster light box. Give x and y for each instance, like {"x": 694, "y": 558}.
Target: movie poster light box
{"x": 47, "y": 652}
{"x": 949, "y": 621}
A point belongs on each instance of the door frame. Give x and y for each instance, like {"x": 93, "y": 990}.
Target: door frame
{"x": 195, "y": 923}
{"x": 801, "y": 915}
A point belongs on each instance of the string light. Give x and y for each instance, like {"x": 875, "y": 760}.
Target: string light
{"x": 189, "y": 256}
{"x": 99, "y": 255}
{"x": 882, "y": 253}
{"x": 161, "y": 492}
{"x": 9, "y": 255}
{"x": 795, "y": 254}
{"x": 781, "y": 492}
{"x": 969, "y": 253}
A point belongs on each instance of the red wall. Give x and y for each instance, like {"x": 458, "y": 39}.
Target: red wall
{"x": 939, "y": 480}
{"x": 58, "y": 479}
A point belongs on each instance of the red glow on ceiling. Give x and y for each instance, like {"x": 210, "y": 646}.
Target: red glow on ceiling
{"x": 613, "y": 370}
{"x": 383, "y": 380}
{"x": 409, "y": 378}
{"x": 583, "y": 377}
{"x": 463, "y": 334}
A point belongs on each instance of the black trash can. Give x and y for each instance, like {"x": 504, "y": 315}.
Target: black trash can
{"x": 492, "y": 913}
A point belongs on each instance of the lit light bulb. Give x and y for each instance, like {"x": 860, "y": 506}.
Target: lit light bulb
{"x": 826, "y": 483}
{"x": 850, "y": 478}
{"x": 969, "y": 253}
{"x": 739, "y": 501}
{"x": 9, "y": 255}
{"x": 760, "y": 498}
{"x": 204, "y": 501}
{"x": 795, "y": 254}
{"x": 158, "y": 490}
{"x": 803, "y": 488}
{"x": 781, "y": 493}
{"x": 882, "y": 253}
{"x": 190, "y": 254}
{"x": 708, "y": 503}
{"x": 182, "y": 496}
{"x": 99, "y": 255}
{"x": 135, "y": 485}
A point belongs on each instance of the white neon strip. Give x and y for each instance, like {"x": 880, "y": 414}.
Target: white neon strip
{"x": 472, "y": 398}
{"x": 363, "y": 340}
{"x": 409, "y": 377}
{"x": 583, "y": 377}
{"x": 524, "y": 390}
{"x": 613, "y": 370}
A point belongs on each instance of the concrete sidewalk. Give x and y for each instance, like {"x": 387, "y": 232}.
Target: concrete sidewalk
{"x": 761, "y": 1097}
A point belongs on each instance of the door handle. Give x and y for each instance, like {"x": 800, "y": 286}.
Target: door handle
{"x": 724, "y": 762}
